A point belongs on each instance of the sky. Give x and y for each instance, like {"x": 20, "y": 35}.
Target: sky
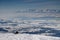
{"x": 9, "y": 8}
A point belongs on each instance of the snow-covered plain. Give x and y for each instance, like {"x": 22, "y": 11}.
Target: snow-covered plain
{"x": 30, "y": 29}
{"x": 10, "y": 36}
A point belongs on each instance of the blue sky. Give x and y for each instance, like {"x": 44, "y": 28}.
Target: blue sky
{"x": 29, "y": 3}
{"x": 8, "y": 8}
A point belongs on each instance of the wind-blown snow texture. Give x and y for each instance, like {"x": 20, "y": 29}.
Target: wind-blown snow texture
{"x": 26, "y": 37}
{"x": 29, "y": 29}
{"x": 39, "y": 27}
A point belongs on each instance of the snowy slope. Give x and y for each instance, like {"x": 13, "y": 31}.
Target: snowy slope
{"x": 9, "y": 36}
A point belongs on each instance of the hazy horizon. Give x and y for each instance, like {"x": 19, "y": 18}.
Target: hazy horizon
{"x": 9, "y": 8}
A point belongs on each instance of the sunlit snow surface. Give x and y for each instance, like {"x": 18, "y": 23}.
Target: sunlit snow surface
{"x": 30, "y": 29}
{"x": 46, "y": 27}
{"x": 10, "y": 36}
